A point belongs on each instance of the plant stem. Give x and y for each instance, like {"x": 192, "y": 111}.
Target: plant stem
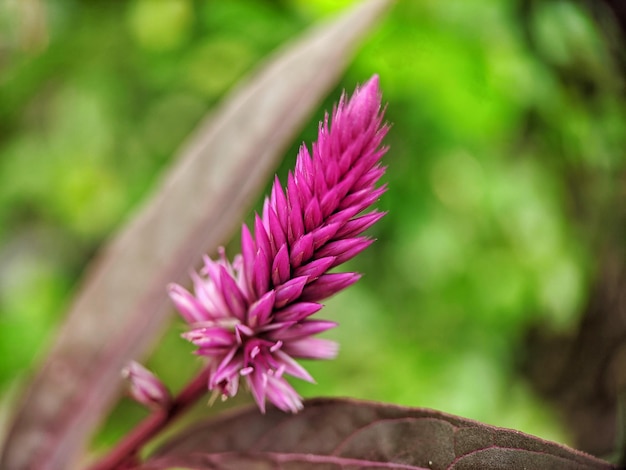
{"x": 125, "y": 453}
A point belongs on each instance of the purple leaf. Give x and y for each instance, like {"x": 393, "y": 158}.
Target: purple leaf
{"x": 122, "y": 303}
{"x": 338, "y": 433}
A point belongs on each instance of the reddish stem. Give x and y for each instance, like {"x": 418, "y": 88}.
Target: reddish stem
{"x": 124, "y": 455}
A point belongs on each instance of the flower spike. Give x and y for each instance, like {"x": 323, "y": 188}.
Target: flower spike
{"x": 250, "y": 318}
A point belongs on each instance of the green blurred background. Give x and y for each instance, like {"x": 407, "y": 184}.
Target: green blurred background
{"x": 505, "y": 178}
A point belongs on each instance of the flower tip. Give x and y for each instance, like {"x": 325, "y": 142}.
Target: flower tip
{"x": 370, "y": 90}
{"x": 365, "y": 103}
{"x": 145, "y": 387}
{"x": 373, "y": 84}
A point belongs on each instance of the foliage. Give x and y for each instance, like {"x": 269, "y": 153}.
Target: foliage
{"x": 333, "y": 433}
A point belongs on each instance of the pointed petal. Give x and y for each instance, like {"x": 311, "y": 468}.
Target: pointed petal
{"x": 292, "y": 367}
{"x": 233, "y": 297}
{"x": 365, "y": 103}
{"x": 331, "y": 172}
{"x": 248, "y": 252}
{"x": 204, "y": 290}
{"x": 262, "y": 239}
{"x": 370, "y": 178}
{"x": 362, "y": 199}
{"x": 281, "y": 394}
{"x": 304, "y": 192}
{"x": 257, "y": 382}
{"x": 315, "y": 269}
{"x": 296, "y": 225}
{"x": 275, "y": 230}
{"x": 259, "y": 312}
{"x": 304, "y": 171}
{"x": 212, "y": 337}
{"x": 328, "y": 285}
{"x": 289, "y": 291}
{"x": 331, "y": 200}
{"x": 303, "y": 329}
{"x": 342, "y": 216}
{"x": 367, "y": 162}
{"x": 313, "y": 216}
{"x": 319, "y": 182}
{"x": 281, "y": 268}
{"x": 279, "y": 202}
{"x": 297, "y": 311}
{"x": 261, "y": 274}
{"x": 325, "y": 233}
{"x": 187, "y": 305}
{"x": 302, "y": 250}
{"x": 343, "y": 250}
{"x": 356, "y": 226}
{"x": 227, "y": 369}
{"x": 265, "y": 214}
{"x": 312, "y": 348}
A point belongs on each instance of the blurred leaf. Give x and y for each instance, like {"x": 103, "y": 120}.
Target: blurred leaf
{"x": 122, "y": 304}
{"x": 350, "y": 434}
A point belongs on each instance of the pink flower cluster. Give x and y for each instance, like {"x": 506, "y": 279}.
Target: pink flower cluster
{"x": 252, "y": 318}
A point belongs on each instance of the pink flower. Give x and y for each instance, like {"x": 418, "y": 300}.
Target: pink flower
{"x": 252, "y": 318}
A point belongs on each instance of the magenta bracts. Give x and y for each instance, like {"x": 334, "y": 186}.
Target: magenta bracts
{"x": 252, "y": 318}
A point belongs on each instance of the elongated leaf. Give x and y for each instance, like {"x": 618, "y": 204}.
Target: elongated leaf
{"x": 340, "y": 433}
{"x": 122, "y": 304}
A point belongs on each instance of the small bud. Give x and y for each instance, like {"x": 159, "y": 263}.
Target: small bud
{"x": 145, "y": 387}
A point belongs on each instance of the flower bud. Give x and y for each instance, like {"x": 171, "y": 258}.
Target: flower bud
{"x": 145, "y": 387}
